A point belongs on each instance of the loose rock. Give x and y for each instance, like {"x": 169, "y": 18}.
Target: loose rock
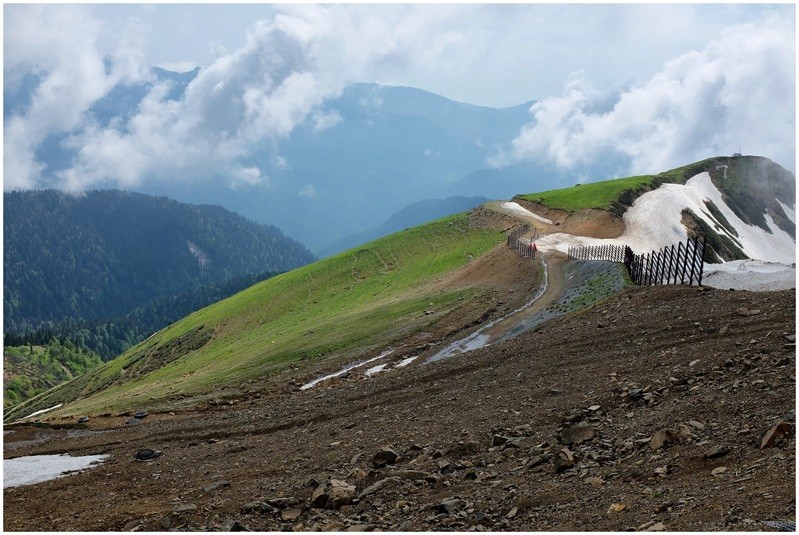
{"x": 577, "y": 434}
{"x": 385, "y": 456}
{"x": 775, "y": 432}
{"x": 662, "y": 438}
{"x": 333, "y": 494}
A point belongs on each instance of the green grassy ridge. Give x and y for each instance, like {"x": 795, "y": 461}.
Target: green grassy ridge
{"x": 348, "y": 304}
{"x": 598, "y": 195}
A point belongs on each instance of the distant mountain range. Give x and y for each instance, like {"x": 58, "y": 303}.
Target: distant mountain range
{"x": 104, "y": 253}
{"x": 390, "y": 147}
{"x": 368, "y": 153}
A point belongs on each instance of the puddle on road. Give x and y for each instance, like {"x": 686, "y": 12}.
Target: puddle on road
{"x": 345, "y": 370}
{"x": 38, "y": 468}
{"x": 480, "y": 338}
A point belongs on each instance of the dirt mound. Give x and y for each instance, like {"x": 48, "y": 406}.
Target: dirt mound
{"x": 586, "y": 222}
{"x": 661, "y": 408}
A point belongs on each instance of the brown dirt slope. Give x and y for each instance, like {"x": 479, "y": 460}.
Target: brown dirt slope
{"x": 586, "y": 222}
{"x": 649, "y": 410}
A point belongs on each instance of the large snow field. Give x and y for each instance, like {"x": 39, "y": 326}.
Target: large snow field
{"x": 654, "y": 221}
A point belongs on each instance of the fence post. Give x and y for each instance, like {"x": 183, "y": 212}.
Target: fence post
{"x": 702, "y": 260}
{"x": 693, "y": 261}
{"x": 670, "y": 268}
{"x": 682, "y": 251}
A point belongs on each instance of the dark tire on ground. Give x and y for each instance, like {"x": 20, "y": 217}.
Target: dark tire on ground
{"x": 146, "y": 455}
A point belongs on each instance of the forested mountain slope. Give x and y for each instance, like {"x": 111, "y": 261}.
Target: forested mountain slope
{"x": 101, "y": 254}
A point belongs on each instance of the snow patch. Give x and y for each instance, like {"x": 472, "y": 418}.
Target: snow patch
{"x": 37, "y": 413}
{"x": 520, "y": 210}
{"x": 406, "y": 361}
{"x": 345, "y": 370}
{"x": 38, "y": 468}
{"x": 375, "y": 369}
{"x": 790, "y": 212}
{"x": 752, "y": 275}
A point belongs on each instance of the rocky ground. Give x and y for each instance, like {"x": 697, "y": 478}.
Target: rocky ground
{"x": 668, "y": 408}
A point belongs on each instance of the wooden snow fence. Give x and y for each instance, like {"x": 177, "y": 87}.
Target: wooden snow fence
{"x": 523, "y": 248}
{"x": 673, "y": 264}
{"x": 611, "y": 253}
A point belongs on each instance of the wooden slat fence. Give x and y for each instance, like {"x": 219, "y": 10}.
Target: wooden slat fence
{"x": 674, "y": 264}
{"x": 612, "y": 253}
{"x": 526, "y": 249}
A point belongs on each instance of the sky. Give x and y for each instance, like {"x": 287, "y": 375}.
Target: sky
{"x": 656, "y": 84}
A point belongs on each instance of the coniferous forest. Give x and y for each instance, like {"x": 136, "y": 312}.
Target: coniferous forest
{"x": 87, "y": 276}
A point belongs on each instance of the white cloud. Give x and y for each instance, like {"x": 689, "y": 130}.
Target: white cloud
{"x": 252, "y": 95}
{"x": 59, "y": 45}
{"x": 282, "y": 164}
{"x": 241, "y": 103}
{"x": 247, "y": 176}
{"x": 309, "y": 191}
{"x": 738, "y": 91}
{"x": 323, "y": 121}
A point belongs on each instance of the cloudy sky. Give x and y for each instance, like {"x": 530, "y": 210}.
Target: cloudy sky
{"x": 658, "y": 85}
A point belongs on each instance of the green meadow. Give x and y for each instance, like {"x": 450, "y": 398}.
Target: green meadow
{"x": 599, "y": 195}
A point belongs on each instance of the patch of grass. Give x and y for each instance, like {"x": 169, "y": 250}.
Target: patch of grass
{"x": 719, "y": 217}
{"x": 717, "y": 246}
{"x": 599, "y": 195}
{"x": 681, "y": 175}
{"x": 346, "y": 305}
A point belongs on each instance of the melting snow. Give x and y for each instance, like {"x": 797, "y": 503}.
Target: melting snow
{"x": 406, "y": 361}
{"x": 375, "y": 369}
{"x": 345, "y": 370}
{"x": 37, "y": 413}
{"x": 37, "y": 468}
{"x": 752, "y": 275}
{"x": 655, "y": 221}
{"x": 519, "y": 209}
{"x": 791, "y": 213}
{"x": 477, "y": 339}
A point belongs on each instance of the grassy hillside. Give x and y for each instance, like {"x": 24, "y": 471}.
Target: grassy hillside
{"x": 349, "y": 304}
